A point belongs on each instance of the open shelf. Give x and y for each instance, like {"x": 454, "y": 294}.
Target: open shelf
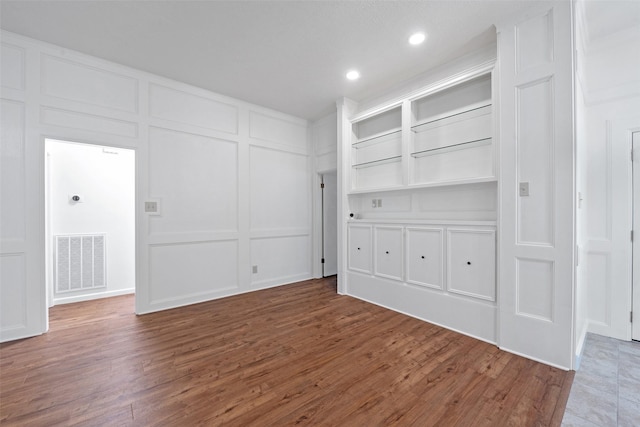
{"x": 453, "y": 147}
{"x": 447, "y": 183}
{"x": 374, "y": 139}
{"x": 461, "y": 113}
{"x": 378, "y": 162}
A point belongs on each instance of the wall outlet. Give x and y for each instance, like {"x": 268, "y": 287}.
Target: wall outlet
{"x": 151, "y": 207}
{"x": 374, "y": 203}
{"x": 254, "y": 269}
{"x": 379, "y": 203}
{"x": 523, "y": 189}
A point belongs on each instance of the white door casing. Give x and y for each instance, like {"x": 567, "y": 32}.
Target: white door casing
{"x": 330, "y": 224}
{"x": 635, "y": 325}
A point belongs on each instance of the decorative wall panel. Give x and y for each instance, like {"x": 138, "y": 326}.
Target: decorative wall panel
{"x": 182, "y": 107}
{"x": 88, "y": 122}
{"x": 535, "y": 288}
{"x": 12, "y": 71}
{"x": 75, "y": 81}
{"x": 12, "y": 171}
{"x": 189, "y": 270}
{"x": 196, "y": 178}
{"x": 535, "y": 146}
{"x": 269, "y": 128}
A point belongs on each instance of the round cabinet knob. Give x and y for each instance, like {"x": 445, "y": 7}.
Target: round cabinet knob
{"x": 76, "y": 198}
{"x": 422, "y": 257}
{"x": 386, "y": 252}
{"x": 358, "y": 248}
{"x": 351, "y": 215}
{"x": 468, "y": 262}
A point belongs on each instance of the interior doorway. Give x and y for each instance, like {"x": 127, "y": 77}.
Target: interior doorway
{"x": 89, "y": 221}
{"x": 329, "y": 187}
{"x": 635, "y": 289}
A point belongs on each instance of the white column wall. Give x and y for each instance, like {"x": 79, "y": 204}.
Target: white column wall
{"x": 536, "y": 255}
{"x": 232, "y": 179}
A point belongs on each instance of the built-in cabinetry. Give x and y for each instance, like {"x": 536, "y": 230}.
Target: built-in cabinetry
{"x": 427, "y": 264}
{"x": 417, "y": 254}
{"x": 421, "y": 199}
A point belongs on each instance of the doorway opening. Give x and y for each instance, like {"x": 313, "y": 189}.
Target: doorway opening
{"x": 89, "y": 221}
{"x": 329, "y": 191}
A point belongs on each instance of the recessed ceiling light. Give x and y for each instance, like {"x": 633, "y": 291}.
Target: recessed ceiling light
{"x": 417, "y": 38}
{"x": 353, "y": 75}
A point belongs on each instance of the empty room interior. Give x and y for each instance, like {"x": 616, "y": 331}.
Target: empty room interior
{"x": 349, "y": 213}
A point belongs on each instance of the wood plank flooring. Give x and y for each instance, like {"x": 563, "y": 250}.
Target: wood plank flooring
{"x": 292, "y": 355}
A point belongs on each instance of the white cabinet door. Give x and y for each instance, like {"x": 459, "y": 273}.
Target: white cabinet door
{"x": 388, "y": 259}
{"x": 424, "y": 257}
{"x": 471, "y": 264}
{"x": 359, "y": 248}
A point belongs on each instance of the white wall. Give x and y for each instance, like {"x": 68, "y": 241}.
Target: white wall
{"x": 104, "y": 178}
{"x": 233, "y": 180}
{"x": 610, "y": 90}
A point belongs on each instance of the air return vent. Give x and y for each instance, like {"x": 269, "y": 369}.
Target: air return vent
{"x": 80, "y": 262}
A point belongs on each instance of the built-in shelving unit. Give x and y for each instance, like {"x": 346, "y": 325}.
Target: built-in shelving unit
{"x": 452, "y": 134}
{"x": 442, "y": 136}
{"x": 376, "y": 154}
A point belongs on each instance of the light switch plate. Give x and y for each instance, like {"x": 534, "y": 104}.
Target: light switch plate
{"x": 523, "y": 189}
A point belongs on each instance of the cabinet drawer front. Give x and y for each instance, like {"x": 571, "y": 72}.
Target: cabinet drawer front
{"x": 471, "y": 264}
{"x": 388, "y": 252}
{"x": 424, "y": 257}
{"x": 359, "y": 243}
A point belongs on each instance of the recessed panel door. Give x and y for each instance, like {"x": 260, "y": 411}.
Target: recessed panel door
{"x": 471, "y": 263}
{"x": 388, "y": 258}
{"x": 424, "y": 257}
{"x": 359, "y": 248}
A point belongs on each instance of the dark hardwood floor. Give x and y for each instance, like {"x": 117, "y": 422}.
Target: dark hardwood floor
{"x": 297, "y": 354}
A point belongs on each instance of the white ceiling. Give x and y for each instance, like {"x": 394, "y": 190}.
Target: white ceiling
{"x": 288, "y": 55}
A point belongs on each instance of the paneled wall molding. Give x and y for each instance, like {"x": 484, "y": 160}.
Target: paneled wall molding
{"x": 279, "y": 232}
{"x": 289, "y": 132}
{"x": 89, "y": 122}
{"x": 285, "y": 148}
{"x": 166, "y": 238}
{"x": 173, "y": 105}
{"x": 13, "y": 78}
{"x": 618, "y": 93}
{"x": 85, "y": 84}
{"x": 193, "y": 154}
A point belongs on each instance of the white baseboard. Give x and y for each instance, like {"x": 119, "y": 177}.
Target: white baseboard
{"x": 89, "y": 297}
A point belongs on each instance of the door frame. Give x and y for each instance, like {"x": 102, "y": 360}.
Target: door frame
{"x": 48, "y": 250}
{"x": 317, "y": 250}
{"x": 634, "y": 292}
